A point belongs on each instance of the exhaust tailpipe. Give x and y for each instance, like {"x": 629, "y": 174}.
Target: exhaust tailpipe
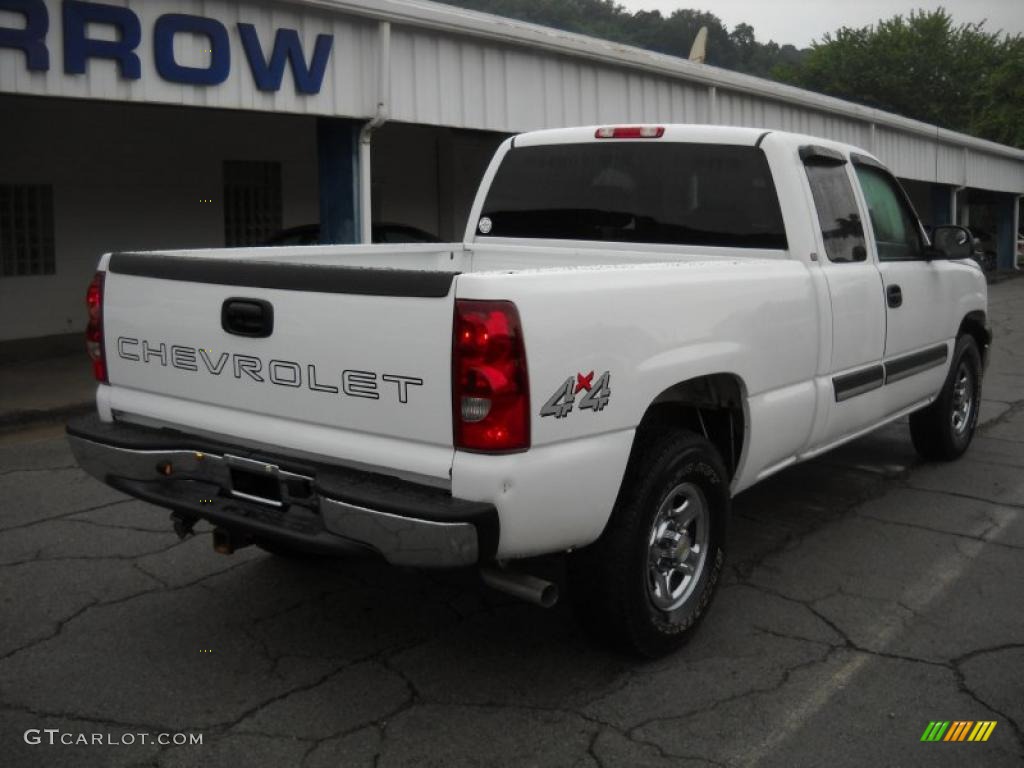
{"x": 225, "y": 543}
{"x": 522, "y": 585}
{"x": 222, "y": 543}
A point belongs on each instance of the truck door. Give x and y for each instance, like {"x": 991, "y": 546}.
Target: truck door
{"x": 854, "y": 285}
{"x": 917, "y": 295}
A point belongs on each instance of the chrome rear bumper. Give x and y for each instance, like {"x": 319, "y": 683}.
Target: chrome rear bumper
{"x": 316, "y": 507}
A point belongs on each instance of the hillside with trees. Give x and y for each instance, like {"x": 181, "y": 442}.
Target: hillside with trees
{"x": 924, "y": 66}
{"x": 674, "y": 34}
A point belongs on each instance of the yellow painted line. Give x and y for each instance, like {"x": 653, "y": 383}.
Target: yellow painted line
{"x": 988, "y": 731}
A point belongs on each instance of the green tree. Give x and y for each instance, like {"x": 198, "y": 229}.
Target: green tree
{"x": 923, "y": 66}
{"x": 998, "y": 103}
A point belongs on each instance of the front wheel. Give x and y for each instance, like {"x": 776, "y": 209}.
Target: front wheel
{"x": 943, "y": 430}
{"x": 646, "y": 583}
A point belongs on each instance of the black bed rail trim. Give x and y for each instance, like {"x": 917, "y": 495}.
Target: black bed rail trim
{"x": 908, "y": 365}
{"x": 364, "y": 281}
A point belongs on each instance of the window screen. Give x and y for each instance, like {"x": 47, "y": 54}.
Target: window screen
{"x": 640, "y": 192}
{"x": 26, "y": 230}
{"x": 841, "y": 227}
{"x": 897, "y": 234}
{"x": 252, "y": 202}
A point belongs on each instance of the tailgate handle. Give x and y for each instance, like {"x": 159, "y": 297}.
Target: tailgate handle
{"x": 247, "y": 317}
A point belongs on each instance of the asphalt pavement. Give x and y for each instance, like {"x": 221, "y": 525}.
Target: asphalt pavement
{"x": 867, "y": 595}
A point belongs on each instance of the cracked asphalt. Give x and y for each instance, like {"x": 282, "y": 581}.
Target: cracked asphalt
{"x": 866, "y": 594}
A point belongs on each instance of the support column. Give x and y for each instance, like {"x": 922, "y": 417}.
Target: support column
{"x": 1018, "y": 257}
{"x": 337, "y": 142}
{"x": 943, "y": 202}
{"x": 963, "y": 207}
{"x": 1006, "y": 233}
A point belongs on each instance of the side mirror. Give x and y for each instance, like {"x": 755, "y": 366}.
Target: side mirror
{"x": 951, "y": 242}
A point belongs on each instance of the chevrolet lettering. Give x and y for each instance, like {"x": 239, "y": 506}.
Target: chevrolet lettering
{"x": 284, "y": 373}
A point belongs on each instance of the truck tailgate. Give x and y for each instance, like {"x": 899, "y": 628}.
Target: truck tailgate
{"x": 278, "y": 351}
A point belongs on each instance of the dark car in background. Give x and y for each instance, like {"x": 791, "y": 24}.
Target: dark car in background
{"x": 309, "y": 234}
{"x": 984, "y": 248}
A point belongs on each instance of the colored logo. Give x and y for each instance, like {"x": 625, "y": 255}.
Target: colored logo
{"x": 958, "y": 730}
{"x": 598, "y": 393}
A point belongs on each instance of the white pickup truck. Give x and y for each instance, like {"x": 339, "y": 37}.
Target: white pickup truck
{"x": 641, "y": 322}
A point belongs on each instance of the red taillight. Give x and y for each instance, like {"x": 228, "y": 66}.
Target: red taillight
{"x": 630, "y": 132}
{"x": 490, "y": 388}
{"x": 94, "y": 330}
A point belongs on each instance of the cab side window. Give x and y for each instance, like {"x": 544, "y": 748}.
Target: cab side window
{"x": 841, "y": 228}
{"x": 897, "y": 234}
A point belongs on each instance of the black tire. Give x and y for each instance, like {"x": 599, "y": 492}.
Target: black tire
{"x": 612, "y": 582}
{"x": 943, "y": 430}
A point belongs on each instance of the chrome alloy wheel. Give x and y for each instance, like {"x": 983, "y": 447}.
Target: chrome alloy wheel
{"x": 963, "y": 399}
{"x": 677, "y": 547}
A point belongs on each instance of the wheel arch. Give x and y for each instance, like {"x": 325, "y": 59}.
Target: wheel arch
{"x": 975, "y": 324}
{"x": 713, "y": 404}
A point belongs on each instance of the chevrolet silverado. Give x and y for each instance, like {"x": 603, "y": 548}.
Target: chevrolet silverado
{"x": 641, "y": 322}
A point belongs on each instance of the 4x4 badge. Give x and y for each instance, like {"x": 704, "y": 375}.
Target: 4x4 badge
{"x": 598, "y": 393}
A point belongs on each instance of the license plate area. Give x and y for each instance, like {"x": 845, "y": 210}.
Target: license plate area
{"x": 255, "y": 481}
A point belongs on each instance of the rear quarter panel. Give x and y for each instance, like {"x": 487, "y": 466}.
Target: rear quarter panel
{"x": 649, "y": 326}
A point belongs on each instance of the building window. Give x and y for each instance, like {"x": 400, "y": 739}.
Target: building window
{"x": 26, "y": 230}
{"x": 252, "y": 202}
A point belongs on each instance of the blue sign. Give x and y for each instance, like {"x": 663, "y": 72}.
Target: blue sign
{"x": 79, "y": 48}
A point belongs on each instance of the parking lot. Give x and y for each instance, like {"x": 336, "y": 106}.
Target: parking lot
{"x": 866, "y": 596}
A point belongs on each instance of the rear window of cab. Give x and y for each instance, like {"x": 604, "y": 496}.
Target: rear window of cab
{"x": 639, "y": 192}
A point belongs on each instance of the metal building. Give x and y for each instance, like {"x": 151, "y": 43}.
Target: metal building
{"x": 132, "y": 124}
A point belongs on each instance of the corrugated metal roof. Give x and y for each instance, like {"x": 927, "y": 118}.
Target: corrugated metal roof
{"x": 459, "y": 68}
{"x": 452, "y": 20}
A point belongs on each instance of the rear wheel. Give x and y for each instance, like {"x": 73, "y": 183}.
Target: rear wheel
{"x": 646, "y": 583}
{"x": 943, "y": 430}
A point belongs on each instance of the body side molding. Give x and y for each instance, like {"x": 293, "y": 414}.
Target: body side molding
{"x": 874, "y": 376}
{"x": 858, "y": 382}
{"x": 908, "y": 365}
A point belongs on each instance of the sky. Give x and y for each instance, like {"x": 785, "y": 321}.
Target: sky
{"x": 800, "y": 21}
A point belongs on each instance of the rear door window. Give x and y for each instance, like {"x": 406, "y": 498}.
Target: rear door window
{"x": 639, "y": 192}
{"x": 841, "y": 227}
